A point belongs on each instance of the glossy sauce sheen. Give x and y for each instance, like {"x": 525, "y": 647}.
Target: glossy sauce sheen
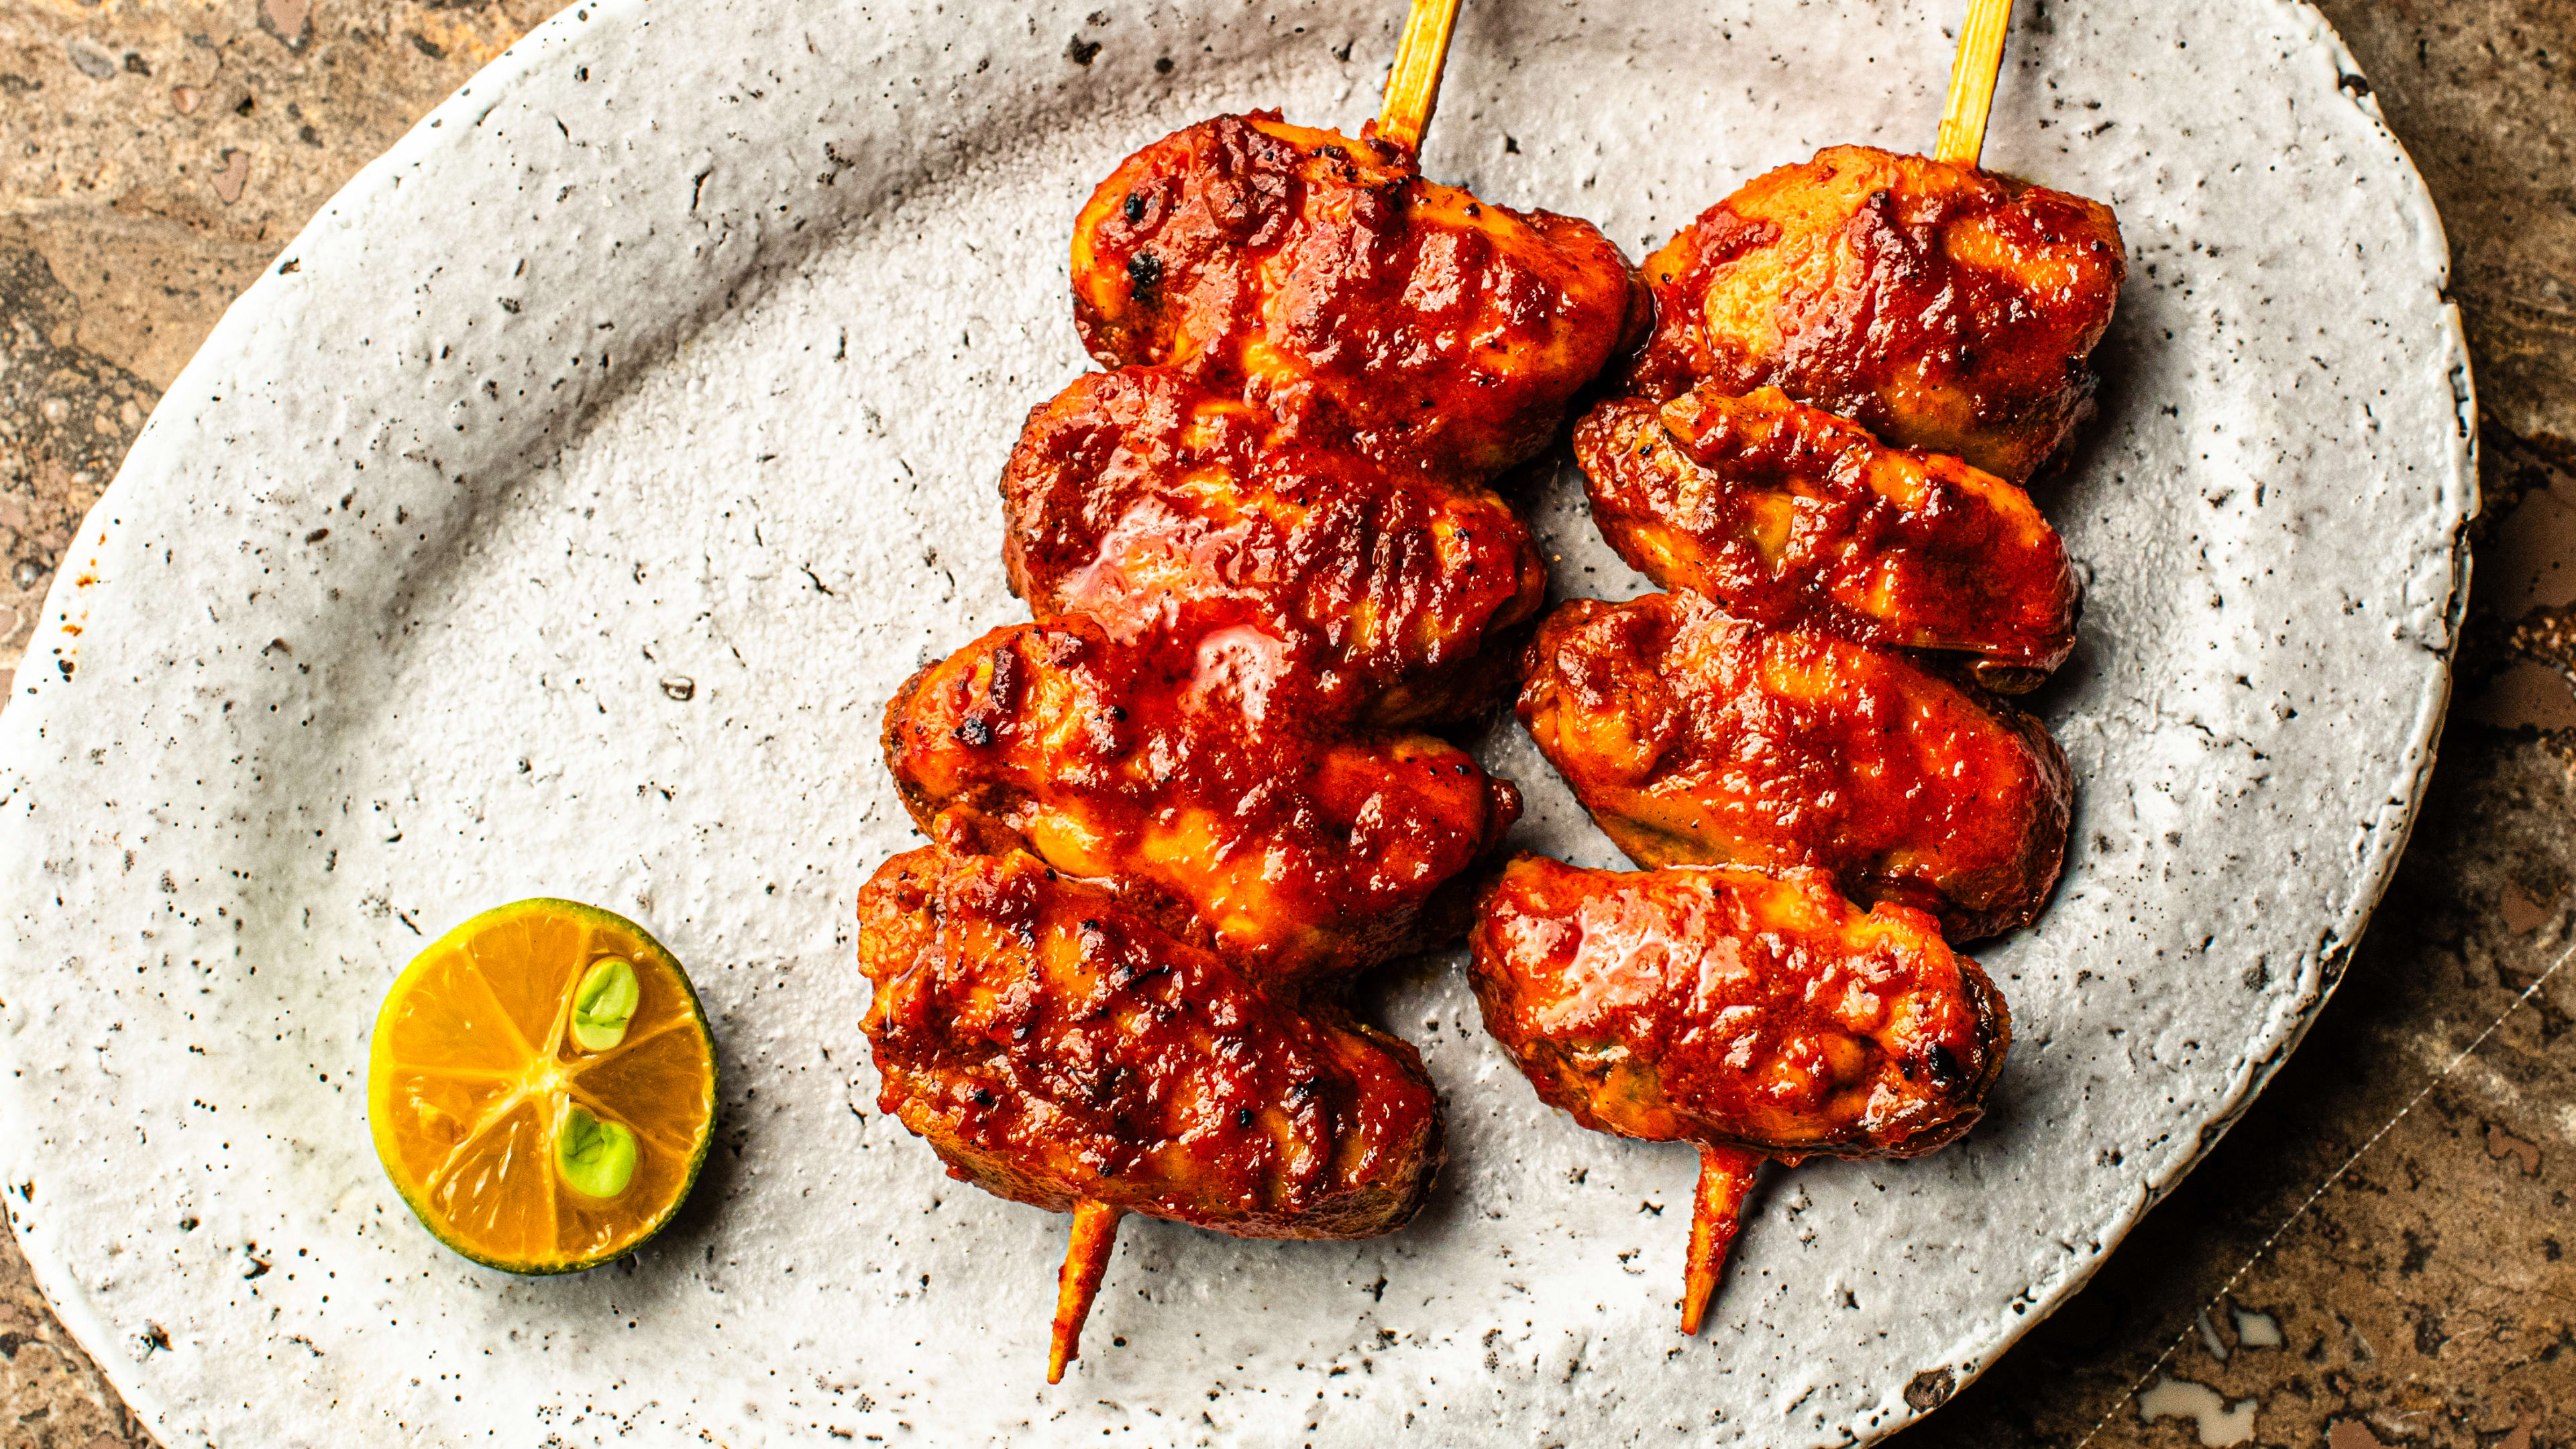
{"x": 1937, "y": 305}
{"x": 1699, "y": 739}
{"x": 1056, "y": 1042}
{"x": 1736, "y": 1008}
{"x": 1157, "y": 506}
{"x": 1320, "y": 278}
{"x": 1785, "y": 514}
{"x": 1206, "y": 774}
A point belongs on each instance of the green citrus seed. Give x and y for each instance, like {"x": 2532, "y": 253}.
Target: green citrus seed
{"x": 603, "y": 1005}
{"x": 594, "y": 1158}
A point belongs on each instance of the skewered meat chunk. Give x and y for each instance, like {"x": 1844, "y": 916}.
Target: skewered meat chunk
{"x": 1736, "y": 1008}
{"x": 1319, "y": 277}
{"x": 1058, "y": 1042}
{"x": 1698, "y": 739}
{"x": 1752, "y": 1014}
{"x": 1785, "y": 515}
{"x": 1940, "y": 306}
{"x": 1152, "y": 505}
{"x": 1205, "y": 772}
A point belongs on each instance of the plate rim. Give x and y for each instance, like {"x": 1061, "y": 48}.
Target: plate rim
{"x": 515, "y": 67}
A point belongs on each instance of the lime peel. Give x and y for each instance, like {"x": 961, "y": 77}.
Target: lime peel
{"x": 512, "y": 1145}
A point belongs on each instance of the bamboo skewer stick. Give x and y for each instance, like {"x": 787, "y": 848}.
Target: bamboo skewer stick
{"x": 1972, "y": 82}
{"x": 1726, "y": 1174}
{"x": 1412, "y": 88}
{"x": 1413, "y": 82}
{"x": 1717, "y": 1209}
{"x": 1086, "y": 1257}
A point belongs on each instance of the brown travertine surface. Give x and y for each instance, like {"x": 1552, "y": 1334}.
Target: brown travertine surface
{"x": 2426, "y": 1296}
{"x": 160, "y": 151}
{"x": 158, "y": 154}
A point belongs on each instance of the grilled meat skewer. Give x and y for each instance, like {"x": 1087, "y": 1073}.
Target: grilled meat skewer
{"x": 1264, "y": 558}
{"x": 1856, "y": 363}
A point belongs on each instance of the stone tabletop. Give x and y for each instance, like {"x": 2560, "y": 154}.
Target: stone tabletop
{"x": 2376, "y": 1256}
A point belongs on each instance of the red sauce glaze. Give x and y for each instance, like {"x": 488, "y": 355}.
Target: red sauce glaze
{"x": 1735, "y": 1008}
{"x": 1319, "y": 277}
{"x": 1204, "y": 771}
{"x": 1787, "y": 515}
{"x": 1159, "y": 508}
{"x": 1057, "y": 1042}
{"x": 1698, "y": 739}
{"x": 1940, "y": 306}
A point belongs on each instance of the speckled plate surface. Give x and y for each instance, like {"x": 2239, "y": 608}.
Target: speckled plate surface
{"x": 558, "y": 511}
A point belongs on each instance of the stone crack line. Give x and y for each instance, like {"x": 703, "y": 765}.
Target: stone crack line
{"x": 2156, "y": 1369}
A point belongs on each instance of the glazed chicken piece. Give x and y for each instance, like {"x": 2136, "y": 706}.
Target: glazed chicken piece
{"x": 1320, "y": 278}
{"x": 1058, "y": 1044}
{"x": 1206, "y": 774}
{"x": 1787, "y": 515}
{"x": 1753, "y": 1014}
{"x": 1736, "y": 1007}
{"x": 1699, "y": 739}
{"x": 1157, "y": 507}
{"x": 1938, "y": 305}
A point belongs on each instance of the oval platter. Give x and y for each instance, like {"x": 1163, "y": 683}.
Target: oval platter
{"x": 558, "y": 511}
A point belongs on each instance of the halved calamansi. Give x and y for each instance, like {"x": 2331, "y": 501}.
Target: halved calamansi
{"x": 541, "y": 1086}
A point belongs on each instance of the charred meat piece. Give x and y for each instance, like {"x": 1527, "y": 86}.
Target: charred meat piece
{"x": 1735, "y": 1007}
{"x": 1068, "y": 1044}
{"x": 1057, "y": 1042}
{"x": 1155, "y": 506}
{"x": 1784, "y": 514}
{"x": 1699, "y": 739}
{"x": 1319, "y": 277}
{"x": 1203, "y": 770}
{"x": 1750, "y": 1014}
{"x": 1940, "y": 306}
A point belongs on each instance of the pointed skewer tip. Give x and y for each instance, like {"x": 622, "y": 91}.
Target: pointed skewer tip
{"x": 1725, "y": 1176}
{"x": 1086, "y": 1257}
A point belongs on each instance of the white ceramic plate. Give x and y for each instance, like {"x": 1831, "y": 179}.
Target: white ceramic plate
{"x": 558, "y": 512}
